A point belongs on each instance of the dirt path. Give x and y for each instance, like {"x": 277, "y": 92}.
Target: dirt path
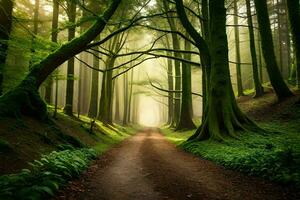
{"x": 148, "y": 167}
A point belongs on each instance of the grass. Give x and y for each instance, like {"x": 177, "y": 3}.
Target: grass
{"x": 274, "y": 156}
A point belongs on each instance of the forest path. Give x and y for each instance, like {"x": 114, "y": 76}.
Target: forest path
{"x": 148, "y": 167}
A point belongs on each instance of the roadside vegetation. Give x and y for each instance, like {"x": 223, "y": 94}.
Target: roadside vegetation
{"x": 273, "y": 155}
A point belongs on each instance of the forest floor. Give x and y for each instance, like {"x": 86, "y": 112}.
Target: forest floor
{"x": 147, "y": 166}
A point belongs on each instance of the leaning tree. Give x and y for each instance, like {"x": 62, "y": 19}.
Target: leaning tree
{"x": 24, "y": 98}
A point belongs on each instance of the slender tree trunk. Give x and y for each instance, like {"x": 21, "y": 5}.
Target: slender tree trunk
{"x": 237, "y": 51}
{"x": 185, "y": 121}
{"x": 130, "y": 97}
{"x": 125, "y": 85}
{"x": 55, "y": 14}
{"x": 93, "y": 109}
{"x": 280, "y": 87}
{"x": 117, "y": 108}
{"x": 170, "y": 87}
{"x": 176, "y": 46}
{"x": 35, "y": 30}
{"x": 294, "y": 18}
{"x": 279, "y": 29}
{"x": 70, "y": 71}
{"x": 5, "y": 24}
{"x": 205, "y": 69}
{"x": 257, "y": 84}
{"x": 260, "y": 58}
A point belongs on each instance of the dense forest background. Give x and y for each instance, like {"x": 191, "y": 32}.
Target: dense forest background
{"x": 38, "y": 27}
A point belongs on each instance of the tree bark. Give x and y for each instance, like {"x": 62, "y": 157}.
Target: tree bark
{"x": 5, "y": 24}
{"x": 176, "y": 46}
{"x": 257, "y": 84}
{"x": 294, "y": 19}
{"x": 237, "y": 51}
{"x": 222, "y": 116}
{"x": 186, "y": 113}
{"x": 24, "y": 98}
{"x": 281, "y": 89}
{"x": 68, "y": 109}
{"x": 93, "y": 109}
{"x": 55, "y": 14}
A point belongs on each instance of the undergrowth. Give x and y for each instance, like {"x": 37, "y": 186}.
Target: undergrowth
{"x": 274, "y": 156}
{"x": 46, "y": 175}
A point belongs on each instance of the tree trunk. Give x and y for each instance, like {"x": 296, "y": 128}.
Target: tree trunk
{"x": 294, "y": 18}
{"x": 5, "y": 24}
{"x": 130, "y": 96}
{"x": 68, "y": 109}
{"x": 24, "y": 98}
{"x": 117, "y": 108}
{"x": 93, "y": 109}
{"x": 176, "y": 46}
{"x": 223, "y": 117}
{"x": 257, "y": 84}
{"x": 186, "y": 114}
{"x": 170, "y": 86}
{"x": 280, "y": 87}
{"x": 125, "y": 85}
{"x": 205, "y": 69}
{"x": 55, "y": 14}
{"x": 237, "y": 51}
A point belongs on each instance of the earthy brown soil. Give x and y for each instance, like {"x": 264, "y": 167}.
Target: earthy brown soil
{"x": 147, "y": 167}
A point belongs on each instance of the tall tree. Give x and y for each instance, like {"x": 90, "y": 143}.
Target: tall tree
{"x": 280, "y": 87}
{"x": 95, "y": 84}
{"x": 186, "y": 113}
{"x": 176, "y": 46}
{"x": 54, "y": 34}
{"x": 24, "y": 98}
{"x": 294, "y": 18}
{"x": 257, "y": 84}
{"x": 222, "y": 116}
{"x": 5, "y": 29}
{"x": 71, "y": 11}
{"x": 237, "y": 49}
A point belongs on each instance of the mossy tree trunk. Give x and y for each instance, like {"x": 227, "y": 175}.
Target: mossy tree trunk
{"x": 5, "y": 28}
{"x": 280, "y": 87}
{"x": 68, "y": 109}
{"x": 186, "y": 113}
{"x": 223, "y": 118}
{"x": 257, "y": 84}
{"x": 204, "y": 63}
{"x": 294, "y": 18}
{"x": 24, "y": 98}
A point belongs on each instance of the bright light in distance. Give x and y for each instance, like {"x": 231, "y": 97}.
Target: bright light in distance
{"x": 148, "y": 112}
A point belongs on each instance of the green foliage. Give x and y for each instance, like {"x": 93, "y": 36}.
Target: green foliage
{"x": 274, "y": 156}
{"x": 46, "y": 174}
{"x": 4, "y": 146}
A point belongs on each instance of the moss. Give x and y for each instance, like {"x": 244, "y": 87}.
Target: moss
{"x": 24, "y": 99}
